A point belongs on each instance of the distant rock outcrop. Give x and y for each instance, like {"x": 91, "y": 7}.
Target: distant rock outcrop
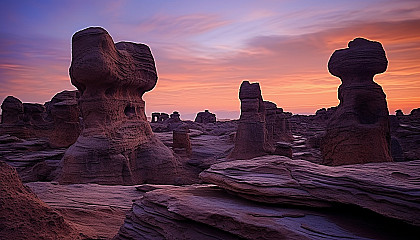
{"x": 56, "y": 121}
{"x": 24, "y": 216}
{"x": 116, "y": 145}
{"x": 205, "y": 117}
{"x": 358, "y": 131}
{"x": 251, "y": 136}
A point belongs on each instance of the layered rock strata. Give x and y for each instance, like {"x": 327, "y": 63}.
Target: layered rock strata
{"x": 277, "y": 123}
{"x": 206, "y": 212}
{"x": 251, "y": 137}
{"x": 358, "y": 131}
{"x": 389, "y": 189}
{"x": 116, "y": 145}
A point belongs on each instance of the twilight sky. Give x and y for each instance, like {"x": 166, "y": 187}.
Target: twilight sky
{"x": 205, "y": 49}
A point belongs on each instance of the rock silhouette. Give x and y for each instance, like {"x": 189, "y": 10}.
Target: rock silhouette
{"x": 358, "y": 131}
{"x": 251, "y": 136}
{"x": 116, "y": 145}
{"x": 205, "y": 117}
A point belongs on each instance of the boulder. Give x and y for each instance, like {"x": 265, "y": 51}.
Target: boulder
{"x": 358, "y": 130}
{"x": 389, "y": 189}
{"x": 116, "y": 145}
{"x": 24, "y": 216}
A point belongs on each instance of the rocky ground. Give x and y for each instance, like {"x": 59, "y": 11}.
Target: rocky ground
{"x": 248, "y": 200}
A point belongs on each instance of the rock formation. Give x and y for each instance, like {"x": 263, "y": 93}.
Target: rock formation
{"x": 205, "y": 117}
{"x": 24, "y": 216}
{"x": 277, "y": 124}
{"x": 116, "y": 145}
{"x": 181, "y": 140}
{"x": 56, "y": 121}
{"x": 206, "y": 212}
{"x": 358, "y": 131}
{"x": 389, "y": 189}
{"x": 251, "y": 136}
{"x": 159, "y": 117}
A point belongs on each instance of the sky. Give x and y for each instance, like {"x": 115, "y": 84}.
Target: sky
{"x": 205, "y": 49}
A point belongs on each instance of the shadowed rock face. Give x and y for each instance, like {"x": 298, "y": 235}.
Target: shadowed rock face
{"x": 251, "y": 136}
{"x": 116, "y": 145}
{"x": 358, "y": 131}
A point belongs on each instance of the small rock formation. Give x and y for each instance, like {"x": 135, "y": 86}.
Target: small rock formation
{"x": 390, "y": 189}
{"x": 277, "y": 124}
{"x": 399, "y": 113}
{"x": 175, "y": 116}
{"x": 116, "y": 145}
{"x": 159, "y": 117}
{"x": 56, "y": 121}
{"x": 12, "y": 110}
{"x": 205, "y": 117}
{"x": 181, "y": 141}
{"x": 24, "y": 216}
{"x": 251, "y": 136}
{"x": 358, "y": 131}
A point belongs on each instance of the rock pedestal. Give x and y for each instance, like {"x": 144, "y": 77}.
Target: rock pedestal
{"x": 116, "y": 145}
{"x": 358, "y": 131}
{"x": 251, "y": 136}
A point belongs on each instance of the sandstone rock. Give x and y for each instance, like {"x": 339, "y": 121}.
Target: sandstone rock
{"x": 205, "y": 212}
{"x": 251, "y": 136}
{"x": 64, "y": 112}
{"x": 34, "y": 160}
{"x": 159, "y": 117}
{"x": 205, "y": 117}
{"x": 116, "y": 145}
{"x": 97, "y": 211}
{"x": 12, "y": 110}
{"x": 358, "y": 131}
{"x": 399, "y": 113}
{"x": 390, "y": 189}
{"x": 181, "y": 141}
{"x": 277, "y": 124}
{"x": 24, "y": 216}
{"x": 57, "y": 121}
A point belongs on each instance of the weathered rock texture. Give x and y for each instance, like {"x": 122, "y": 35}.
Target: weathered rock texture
{"x": 116, "y": 145}
{"x": 358, "y": 131}
{"x": 181, "y": 141}
{"x": 57, "y": 121}
{"x": 24, "y": 216}
{"x": 251, "y": 136}
{"x": 277, "y": 123}
{"x": 97, "y": 211}
{"x": 390, "y": 189}
{"x": 205, "y": 117}
{"x": 206, "y": 212}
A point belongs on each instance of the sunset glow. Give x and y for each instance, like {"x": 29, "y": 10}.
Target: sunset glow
{"x": 205, "y": 49}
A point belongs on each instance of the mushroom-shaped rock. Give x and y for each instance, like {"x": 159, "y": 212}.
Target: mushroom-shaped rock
{"x": 358, "y": 131}
{"x": 116, "y": 145}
